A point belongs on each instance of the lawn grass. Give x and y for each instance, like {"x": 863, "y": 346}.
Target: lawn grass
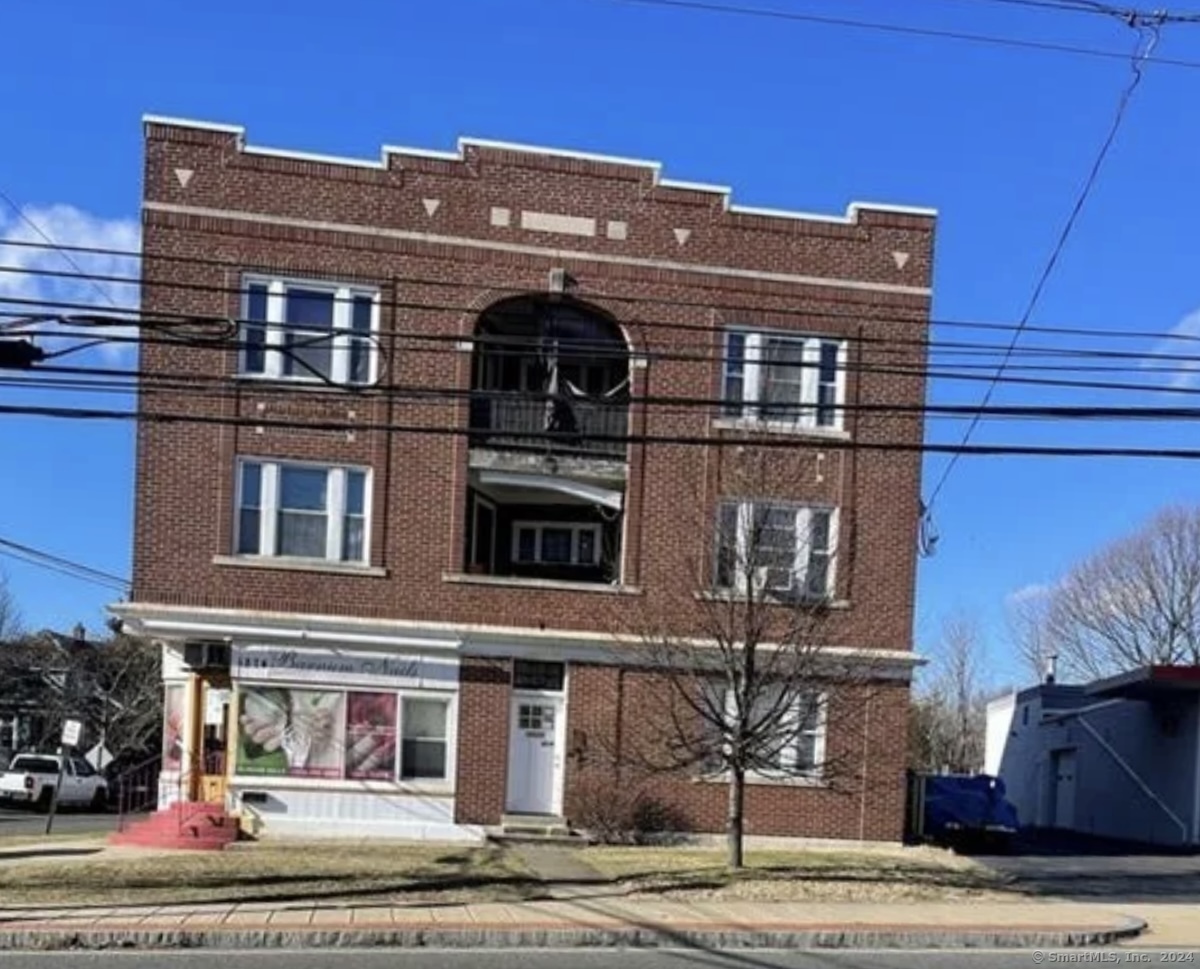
{"x": 815, "y": 874}
{"x": 273, "y": 871}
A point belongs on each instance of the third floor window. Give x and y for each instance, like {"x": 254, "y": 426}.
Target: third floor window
{"x": 308, "y": 331}
{"x": 784, "y": 379}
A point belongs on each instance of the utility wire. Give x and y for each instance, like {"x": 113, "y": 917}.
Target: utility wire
{"x": 731, "y": 440}
{"x": 1147, "y": 40}
{"x": 1131, "y": 16}
{"x": 78, "y": 570}
{"x": 25, "y": 217}
{"x": 916, "y": 370}
{"x": 217, "y": 393}
{"x": 901, "y": 29}
{"x": 863, "y": 313}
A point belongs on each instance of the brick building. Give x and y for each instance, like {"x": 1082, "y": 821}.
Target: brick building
{"x": 399, "y": 549}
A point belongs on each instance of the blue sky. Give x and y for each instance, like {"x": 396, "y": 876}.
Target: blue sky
{"x": 792, "y": 115}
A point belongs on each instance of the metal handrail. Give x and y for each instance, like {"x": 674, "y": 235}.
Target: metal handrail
{"x": 141, "y": 777}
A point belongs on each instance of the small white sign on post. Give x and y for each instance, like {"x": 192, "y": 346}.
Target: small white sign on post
{"x": 71, "y": 732}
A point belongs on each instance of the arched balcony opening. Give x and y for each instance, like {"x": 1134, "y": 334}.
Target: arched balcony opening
{"x": 550, "y": 395}
{"x": 550, "y": 376}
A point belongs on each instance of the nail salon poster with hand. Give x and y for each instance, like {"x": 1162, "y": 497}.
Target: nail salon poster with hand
{"x": 293, "y": 733}
{"x": 371, "y": 736}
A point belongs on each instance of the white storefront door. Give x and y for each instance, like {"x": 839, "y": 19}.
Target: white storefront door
{"x": 535, "y": 754}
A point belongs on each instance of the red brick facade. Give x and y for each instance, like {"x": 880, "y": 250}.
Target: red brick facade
{"x": 684, "y": 266}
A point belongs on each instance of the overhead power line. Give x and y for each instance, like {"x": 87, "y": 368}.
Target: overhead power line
{"x": 1147, "y": 40}
{"x": 29, "y": 221}
{"x": 905, "y": 30}
{"x": 918, "y": 369}
{"x": 662, "y": 406}
{"x": 63, "y": 566}
{"x": 865, "y": 313}
{"x": 731, "y": 440}
{"x": 1131, "y": 16}
{"x": 860, "y": 313}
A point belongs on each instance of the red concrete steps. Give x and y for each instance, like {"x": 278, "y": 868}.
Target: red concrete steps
{"x": 187, "y": 826}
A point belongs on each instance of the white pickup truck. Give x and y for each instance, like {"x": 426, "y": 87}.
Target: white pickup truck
{"x": 30, "y": 779}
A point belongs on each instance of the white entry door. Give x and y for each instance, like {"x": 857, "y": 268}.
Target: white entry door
{"x": 535, "y": 754}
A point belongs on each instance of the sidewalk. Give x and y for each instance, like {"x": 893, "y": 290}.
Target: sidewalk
{"x": 579, "y": 921}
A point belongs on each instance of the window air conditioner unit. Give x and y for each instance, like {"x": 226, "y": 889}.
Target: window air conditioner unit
{"x": 206, "y": 655}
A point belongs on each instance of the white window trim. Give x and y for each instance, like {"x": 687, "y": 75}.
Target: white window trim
{"x": 275, "y": 328}
{"x": 752, "y": 380}
{"x": 269, "y": 508}
{"x": 803, "y": 551}
{"x": 575, "y": 527}
{"x": 790, "y": 754}
{"x": 451, "y": 740}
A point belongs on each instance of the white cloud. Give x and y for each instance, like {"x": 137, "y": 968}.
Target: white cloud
{"x": 1029, "y": 593}
{"x": 29, "y": 280}
{"x": 1182, "y": 342}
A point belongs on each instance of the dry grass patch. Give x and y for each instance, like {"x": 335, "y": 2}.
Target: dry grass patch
{"x": 277, "y": 871}
{"x": 816, "y": 874}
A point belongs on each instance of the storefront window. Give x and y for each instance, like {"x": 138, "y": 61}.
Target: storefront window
{"x": 295, "y": 733}
{"x": 336, "y": 735}
{"x": 371, "y": 736}
{"x": 174, "y": 714}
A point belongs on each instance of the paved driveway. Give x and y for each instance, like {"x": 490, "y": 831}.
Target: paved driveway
{"x": 1079, "y": 869}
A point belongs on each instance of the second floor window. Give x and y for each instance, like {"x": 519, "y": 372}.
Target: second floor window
{"x": 546, "y": 543}
{"x": 302, "y": 511}
{"x": 316, "y": 332}
{"x": 784, "y": 379}
{"x": 776, "y": 548}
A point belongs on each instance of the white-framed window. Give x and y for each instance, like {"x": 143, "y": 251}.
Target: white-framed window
{"x": 556, "y": 543}
{"x": 424, "y": 737}
{"x": 302, "y": 511}
{"x": 784, "y": 379}
{"x": 786, "y": 730}
{"x": 308, "y": 331}
{"x": 785, "y": 549}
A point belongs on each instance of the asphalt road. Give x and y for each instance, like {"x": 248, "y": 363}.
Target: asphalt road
{"x": 24, "y": 823}
{"x": 573, "y": 958}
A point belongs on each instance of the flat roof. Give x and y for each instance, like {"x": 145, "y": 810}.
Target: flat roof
{"x": 1148, "y": 682}
{"x": 655, "y": 168}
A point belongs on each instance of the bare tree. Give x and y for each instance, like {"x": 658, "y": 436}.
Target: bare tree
{"x": 120, "y": 695}
{"x": 11, "y": 626}
{"x": 752, "y": 688}
{"x": 1029, "y": 630}
{"x": 949, "y": 712}
{"x": 1134, "y": 603}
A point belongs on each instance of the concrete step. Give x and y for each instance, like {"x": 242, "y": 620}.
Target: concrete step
{"x": 536, "y": 827}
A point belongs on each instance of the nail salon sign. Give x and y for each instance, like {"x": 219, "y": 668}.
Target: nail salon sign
{"x": 335, "y": 667}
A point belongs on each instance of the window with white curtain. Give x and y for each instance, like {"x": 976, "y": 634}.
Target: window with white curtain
{"x": 302, "y": 511}
{"x": 784, "y": 379}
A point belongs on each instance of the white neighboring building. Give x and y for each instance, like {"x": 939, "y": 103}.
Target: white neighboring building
{"x": 1116, "y": 758}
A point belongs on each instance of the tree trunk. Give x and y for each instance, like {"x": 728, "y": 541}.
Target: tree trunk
{"x": 736, "y": 822}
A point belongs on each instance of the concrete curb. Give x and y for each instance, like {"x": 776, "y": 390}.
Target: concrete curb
{"x": 495, "y": 937}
